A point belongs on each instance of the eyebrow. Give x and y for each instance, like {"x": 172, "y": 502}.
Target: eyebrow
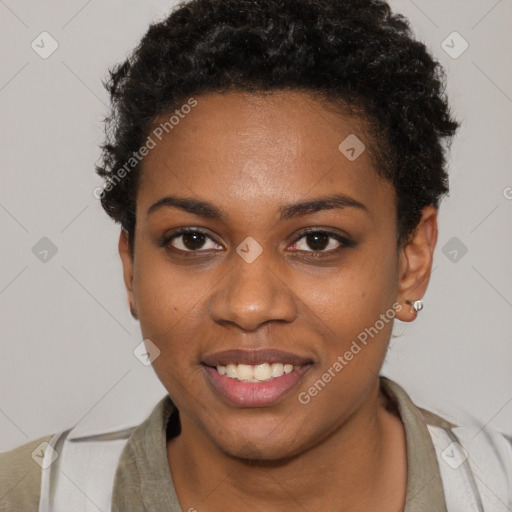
{"x": 336, "y": 201}
{"x": 195, "y": 206}
{"x": 289, "y": 211}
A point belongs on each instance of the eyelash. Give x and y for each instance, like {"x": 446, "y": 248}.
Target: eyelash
{"x": 345, "y": 242}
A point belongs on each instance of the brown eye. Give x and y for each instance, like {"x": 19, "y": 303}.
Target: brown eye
{"x": 320, "y": 241}
{"x": 317, "y": 241}
{"x": 191, "y": 240}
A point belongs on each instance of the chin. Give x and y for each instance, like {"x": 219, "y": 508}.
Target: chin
{"x": 266, "y": 443}
{"x": 264, "y": 451}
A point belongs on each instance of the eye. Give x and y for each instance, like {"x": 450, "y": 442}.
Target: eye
{"x": 320, "y": 241}
{"x": 190, "y": 240}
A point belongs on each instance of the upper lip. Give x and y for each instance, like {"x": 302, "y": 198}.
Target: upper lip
{"x": 254, "y": 357}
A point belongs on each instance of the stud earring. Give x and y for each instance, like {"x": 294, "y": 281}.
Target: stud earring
{"x": 417, "y": 305}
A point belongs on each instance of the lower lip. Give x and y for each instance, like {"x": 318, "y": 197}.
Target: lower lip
{"x": 254, "y": 394}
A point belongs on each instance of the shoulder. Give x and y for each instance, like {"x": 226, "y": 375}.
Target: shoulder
{"x": 473, "y": 458}
{"x": 473, "y": 435}
{"x": 20, "y": 476}
{"x": 479, "y": 452}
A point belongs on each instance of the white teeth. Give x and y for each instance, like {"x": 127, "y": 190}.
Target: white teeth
{"x": 244, "y": 372}
{"x": 255, "y": 373}
{"x": 231, "y": 371}
{"x": 277, "y": 369}
{"x": 262, "y": 372}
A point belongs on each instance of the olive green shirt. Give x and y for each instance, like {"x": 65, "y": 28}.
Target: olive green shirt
{"x": 143, "y": 480}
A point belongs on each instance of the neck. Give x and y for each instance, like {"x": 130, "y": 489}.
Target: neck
{"x": 359, "y": 466}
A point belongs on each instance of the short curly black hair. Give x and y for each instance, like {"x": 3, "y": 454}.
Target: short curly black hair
{"x": 355, "y": 53}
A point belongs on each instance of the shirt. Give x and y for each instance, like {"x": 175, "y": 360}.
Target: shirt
{"x": 143, "y": 479}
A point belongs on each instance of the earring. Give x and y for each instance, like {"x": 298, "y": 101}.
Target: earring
{"x": 417, "y": 305}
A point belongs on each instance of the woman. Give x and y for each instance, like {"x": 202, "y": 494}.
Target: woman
{"x": 276, "y": 168}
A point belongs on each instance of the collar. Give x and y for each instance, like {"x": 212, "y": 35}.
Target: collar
{"x": 143, "y": 480}
{"x": 424, "y": 484}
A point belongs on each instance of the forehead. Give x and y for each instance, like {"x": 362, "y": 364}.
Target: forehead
{"x": 239, "y": 148}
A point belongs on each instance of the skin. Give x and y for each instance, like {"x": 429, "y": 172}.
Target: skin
{"x": 250, "y": 155}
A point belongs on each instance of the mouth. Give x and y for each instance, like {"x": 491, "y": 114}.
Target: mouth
{"x": 254, "y": 378}
{"x": 264, "y": 372}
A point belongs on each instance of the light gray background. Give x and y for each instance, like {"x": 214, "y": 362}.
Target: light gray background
{"x": 66, "y": 333}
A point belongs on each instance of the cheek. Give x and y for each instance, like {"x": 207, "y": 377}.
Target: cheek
{"x": 354, "y": 296}
{"x": 167, "y": 305}
{"x": 356, "y": 312}
{"x": 356, "y": 306}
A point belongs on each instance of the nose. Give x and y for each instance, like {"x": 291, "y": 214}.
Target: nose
{"x": 251, "y": 295}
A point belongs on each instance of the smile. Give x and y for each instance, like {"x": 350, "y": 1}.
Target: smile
{"x": 256, "y": 373}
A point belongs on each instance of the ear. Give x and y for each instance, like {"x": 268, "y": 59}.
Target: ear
{"x": 127, "y": 262}
{"x": 416, "y": 259}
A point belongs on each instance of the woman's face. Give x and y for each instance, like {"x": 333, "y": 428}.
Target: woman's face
{"x": 248, "y": 285}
